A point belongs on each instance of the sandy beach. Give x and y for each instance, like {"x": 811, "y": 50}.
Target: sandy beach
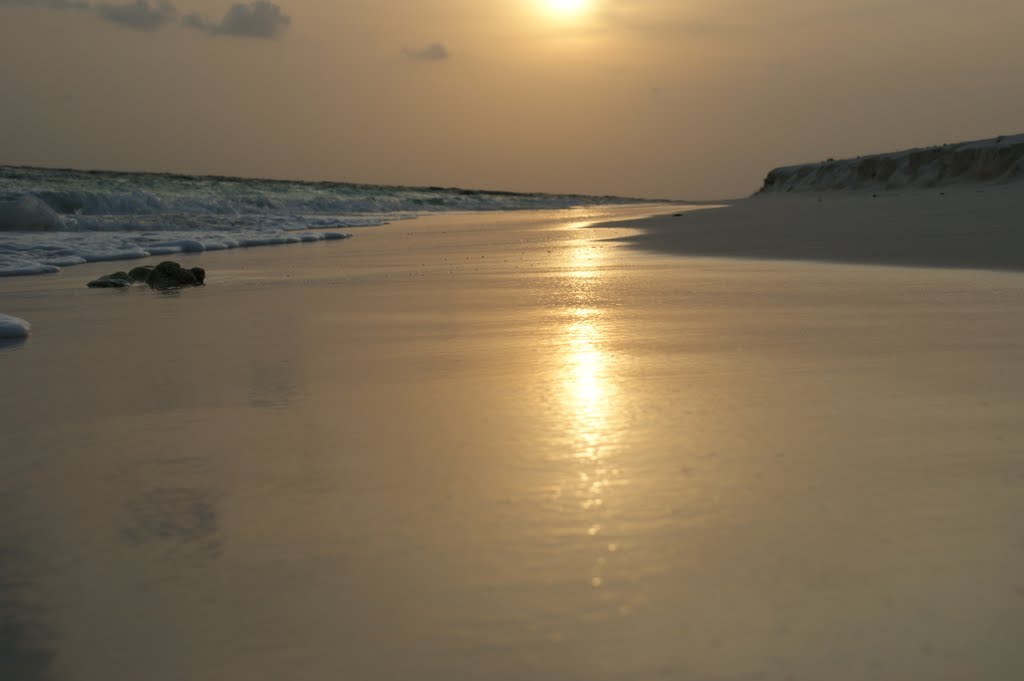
{"x": 515, "y": 446}
{"x": 971, "y": 226}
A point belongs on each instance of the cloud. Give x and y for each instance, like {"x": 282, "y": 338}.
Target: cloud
{"x": 258, "y": 19}
{"x": 50, "y": 4}
{"x": 141, "y": 15}
{"x": 432, "y": 52}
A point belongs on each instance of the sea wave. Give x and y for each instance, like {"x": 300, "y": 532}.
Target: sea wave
{"x": 94, "y": 200}
{"x": 53, "y": 218}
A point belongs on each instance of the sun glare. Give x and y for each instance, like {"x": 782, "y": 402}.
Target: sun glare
{"x": 566, "y": 6}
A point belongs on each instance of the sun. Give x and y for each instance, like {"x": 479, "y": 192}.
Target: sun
{"x": 566, "y": 6}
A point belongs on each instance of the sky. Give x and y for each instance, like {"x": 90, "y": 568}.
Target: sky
{"x": 682, "y": 99}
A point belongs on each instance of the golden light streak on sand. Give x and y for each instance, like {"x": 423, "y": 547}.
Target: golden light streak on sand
{"x": 589, "y": 396}
{"x": 585, "y": 373}
{"x": 586, "y": 386}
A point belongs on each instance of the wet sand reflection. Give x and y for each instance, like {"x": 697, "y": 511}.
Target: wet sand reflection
{"x": 589, "y": 396}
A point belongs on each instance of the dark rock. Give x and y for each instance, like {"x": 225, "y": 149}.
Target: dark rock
{"x": 140, "y": 274}
{"x": 115, "y": 280}
{"x": 169, "y": 274}
{"x": 166, "y": 275}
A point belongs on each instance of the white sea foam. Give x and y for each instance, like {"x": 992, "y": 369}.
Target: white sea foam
{"x": 13, "y": 327}
{"x": 56, "y": 218}
{"x": 46, "y": 253}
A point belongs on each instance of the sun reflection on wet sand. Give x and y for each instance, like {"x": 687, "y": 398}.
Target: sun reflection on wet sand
{"x": 585, "y": 383}
{"x": 588, "y": 394}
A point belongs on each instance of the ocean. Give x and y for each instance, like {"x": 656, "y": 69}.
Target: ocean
{"x": 55, "y": 218}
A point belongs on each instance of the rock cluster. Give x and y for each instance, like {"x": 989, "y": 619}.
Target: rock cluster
{"x": 166, "y": 275}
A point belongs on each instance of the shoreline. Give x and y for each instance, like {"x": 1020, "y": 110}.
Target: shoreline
{"x": 968, "y": 227}
{"x": 136, "y": 254}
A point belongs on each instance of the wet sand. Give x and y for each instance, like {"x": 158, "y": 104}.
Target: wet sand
{"x": 512, "y": 447}
{"x": 970, "y": 226}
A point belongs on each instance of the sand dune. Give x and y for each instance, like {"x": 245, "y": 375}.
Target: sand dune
{"x": 996, "y": 160}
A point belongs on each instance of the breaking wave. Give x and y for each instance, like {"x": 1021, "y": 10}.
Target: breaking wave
{"x": 54, "y": 218}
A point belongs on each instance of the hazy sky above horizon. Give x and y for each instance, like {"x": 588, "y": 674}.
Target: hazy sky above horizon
{"x": 658, "y": 98}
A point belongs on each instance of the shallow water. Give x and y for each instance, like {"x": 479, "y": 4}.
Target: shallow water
{"x": 498, "y": 447}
